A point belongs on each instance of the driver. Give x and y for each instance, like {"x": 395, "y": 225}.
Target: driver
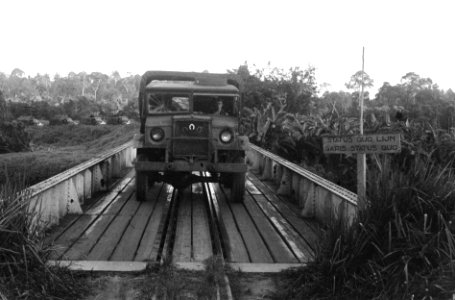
{"x": 220, "y": 110}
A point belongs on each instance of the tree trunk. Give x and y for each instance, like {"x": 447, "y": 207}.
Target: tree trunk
{"x": 97, "y": 88}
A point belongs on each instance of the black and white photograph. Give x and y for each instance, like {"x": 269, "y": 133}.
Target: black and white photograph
{"x": 227, "y": 150}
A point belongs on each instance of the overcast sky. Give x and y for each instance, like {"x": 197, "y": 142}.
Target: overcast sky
{"x": 194, "y": 35}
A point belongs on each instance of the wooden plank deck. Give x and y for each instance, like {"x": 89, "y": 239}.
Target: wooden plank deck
{"x": 202, "y": 241}
{"x": 123, "y": 230}
{"x": 182, "y": 243}
{"x": 262, "y": 230}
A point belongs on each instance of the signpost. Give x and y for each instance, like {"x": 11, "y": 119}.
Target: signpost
{"x": 356, "y": 144}
{"x": 361, "y": 157}
{"x": 361, "y": 145}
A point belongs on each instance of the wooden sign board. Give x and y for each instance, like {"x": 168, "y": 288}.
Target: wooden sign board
{"x": 369, "y": 143}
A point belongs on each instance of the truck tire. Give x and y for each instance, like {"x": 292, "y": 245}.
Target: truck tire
{"x": 141, "y": 186}
{"x": 152, "y": 178}
{"x": 238, "y": 187}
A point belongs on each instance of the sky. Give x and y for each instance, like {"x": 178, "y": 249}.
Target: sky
{"x": 133, "y": 36}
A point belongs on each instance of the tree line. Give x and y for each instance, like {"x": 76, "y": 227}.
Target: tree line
{"x": 294, "y": 90}
{"x": 76, "y": 95}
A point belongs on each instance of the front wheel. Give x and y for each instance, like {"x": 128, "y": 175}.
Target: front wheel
{"x": 226, "y": 179}
{"x": 152, "y": 178}
{"x": 141, "y": 186}
{"x": 238, "y": 187}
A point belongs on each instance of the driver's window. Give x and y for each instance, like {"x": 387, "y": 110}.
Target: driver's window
{"x": 203, "y": 104}
{"x": 165, "y": 103}
{"x": 156, "y": 103}
{"x": 180, "y": 103}
{"x": 214, "y": 105}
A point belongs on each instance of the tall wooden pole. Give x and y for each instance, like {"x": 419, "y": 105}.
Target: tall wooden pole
{"x": 361, "y": 158}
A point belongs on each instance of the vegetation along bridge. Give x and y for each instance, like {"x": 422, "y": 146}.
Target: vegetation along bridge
{"x": 96, "y": 223}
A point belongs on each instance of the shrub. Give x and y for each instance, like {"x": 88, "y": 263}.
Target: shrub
{"x": 23, "y": 271}
{"x": 400, "y": 247}
{"x": 13, "y": 137}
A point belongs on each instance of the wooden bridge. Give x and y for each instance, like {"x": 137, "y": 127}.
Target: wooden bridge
{"x": 96, "y": 223}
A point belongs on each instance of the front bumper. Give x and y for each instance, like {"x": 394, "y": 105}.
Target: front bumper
{"x": 184, "y": 166}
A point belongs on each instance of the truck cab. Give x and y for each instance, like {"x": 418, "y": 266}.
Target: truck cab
{"x": 190, "y": 125}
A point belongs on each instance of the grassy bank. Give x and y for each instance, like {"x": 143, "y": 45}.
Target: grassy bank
{"x": 57, "y": 148}
{"x": 401, "y": 247}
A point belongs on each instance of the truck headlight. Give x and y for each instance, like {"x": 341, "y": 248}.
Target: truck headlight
{"x": 156, "y": 134}
{"x": 226, "y": 136}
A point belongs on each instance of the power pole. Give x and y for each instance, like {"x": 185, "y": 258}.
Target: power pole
{"x": 361, "y": 157}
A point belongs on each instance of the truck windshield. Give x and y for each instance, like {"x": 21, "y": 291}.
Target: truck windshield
{"x": 215, "y": 105}
{"x": 165, "y": 103}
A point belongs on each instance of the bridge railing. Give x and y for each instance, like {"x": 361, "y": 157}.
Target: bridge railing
{"x": 65, "y": 193}
{"x": 317, "y": 197}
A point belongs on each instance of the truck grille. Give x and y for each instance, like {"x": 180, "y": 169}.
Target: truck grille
{"x": 191, "y": 148}
{"x": 191, "y": 139}
{"x": 191, "y": 129}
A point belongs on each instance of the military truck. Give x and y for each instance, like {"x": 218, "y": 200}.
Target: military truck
{"x": 189, "y": 125}
{"x": 118, "y": 120}
{"x": 93, "y": 120}
{"x": 63, "y": 120}
{"x": 29, "y": 121}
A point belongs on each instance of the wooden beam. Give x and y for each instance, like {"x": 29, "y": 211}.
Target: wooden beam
{"x": 100, "y": 266}
{"x": 137, "y": 266}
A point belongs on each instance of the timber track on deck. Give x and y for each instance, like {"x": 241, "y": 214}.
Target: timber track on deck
{"x": 188, "y": 225}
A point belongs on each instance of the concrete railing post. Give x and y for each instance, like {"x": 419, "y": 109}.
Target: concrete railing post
{"x": 267, "y": 172}
{"x": 277, "y": 172}
{"x": 261, "y": 159}
{"x": 129, "y": 157}
{"x": 295, "y": 191}
{"x": 71, "y": 199}
{"x": 125, "y": 155}
{"x": 337, "y": 208}
{"x": 116, "y": 165}
{"x": 87, "y": 184}
{"x": 121, "y": 160}
{"x": 253, "y": 161}
{"x": 97, "y": 179}
{"x": 132, "y": 157}
{"x": 323, "y": 205}
{"x": 308, "y": 210}
{"x": 107, "y": 169}
{"x": 303, "y": 190}
{"x": 285, "y": 183}
{"x": 79, "y": 185}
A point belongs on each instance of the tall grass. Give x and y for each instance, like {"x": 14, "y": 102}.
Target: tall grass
{"x": 401, "y": 246}
{"x": 23, "y": 271}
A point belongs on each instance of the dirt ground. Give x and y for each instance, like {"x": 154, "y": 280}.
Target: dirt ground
{"x": 116, "y": 287}
{"x": 256, "y": 286}
{"x": 188, "y": 286}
